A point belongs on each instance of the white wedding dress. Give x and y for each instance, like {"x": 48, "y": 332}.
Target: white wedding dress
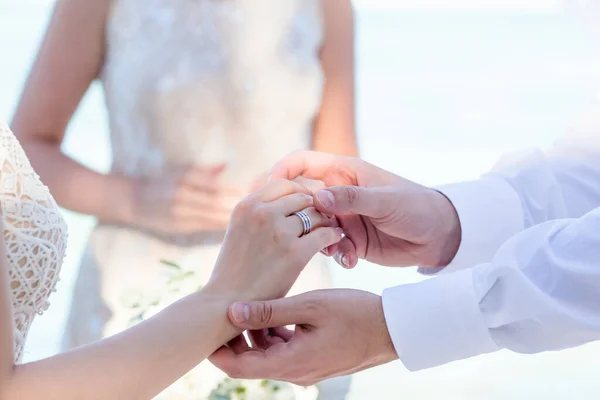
{"x": 197, "y": 82}
{"x": 35, "y": 236}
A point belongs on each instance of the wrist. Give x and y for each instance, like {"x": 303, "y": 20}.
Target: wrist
{"x": 121, "y": 202}
{"x": 449, "y": 235}
{"x": 217, "y": 302}
{"x": 385, "y": 351}
{"x": 228, "y": 290}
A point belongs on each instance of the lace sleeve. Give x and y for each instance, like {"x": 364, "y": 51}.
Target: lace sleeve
{"x": 34, "y": 234}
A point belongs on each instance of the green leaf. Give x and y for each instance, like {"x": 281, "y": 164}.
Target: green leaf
{"x": 240, "y": 390}
{"x": 182, "y": 276}
{"x": 170, "y": 264}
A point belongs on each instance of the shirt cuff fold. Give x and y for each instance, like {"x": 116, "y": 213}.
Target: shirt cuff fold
{"x": 490, "y": 213}
{"x": 436, "y": 321}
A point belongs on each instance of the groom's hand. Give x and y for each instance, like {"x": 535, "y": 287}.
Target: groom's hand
{"x": 387, "y": 219}
{"x": 338, "y": 332}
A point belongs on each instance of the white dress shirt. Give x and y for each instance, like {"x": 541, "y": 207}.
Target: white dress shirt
{"x": 527, "y": 274}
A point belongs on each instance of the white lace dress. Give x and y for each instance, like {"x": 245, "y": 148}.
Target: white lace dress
{"x": 197, "y": 81}
{"x": 35, "y": 236}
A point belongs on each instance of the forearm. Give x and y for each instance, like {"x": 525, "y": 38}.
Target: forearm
{"x": 136, "y": 364}
{"x": 108, "y": 197}
{"x": 539, "y": 293}
{"x": 334, "y": 129}
{"x": 522, "y": 191}
{"x": 342, "y": 144}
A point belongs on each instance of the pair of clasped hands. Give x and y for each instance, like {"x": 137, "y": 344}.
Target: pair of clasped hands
{"x": 362, "y": 212}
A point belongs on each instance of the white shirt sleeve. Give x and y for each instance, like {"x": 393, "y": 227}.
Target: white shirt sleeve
{"x": 540, "y": 292}
{"x": 522, "y": 191}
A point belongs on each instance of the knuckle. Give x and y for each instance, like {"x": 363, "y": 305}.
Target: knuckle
{"x": 308, "y": 201}
{"x": 326, "y": 236}
{"x": 352, "y": 194}
{"x": 283, "y": 184}
{"x": 261, "y": 215}
{"x": 264, "y": 313}
{"x": 279, "y": 237}
{"x": 243, "y": 208}
{"x": 234, "y": 372}
{"x": 312, "y": 306}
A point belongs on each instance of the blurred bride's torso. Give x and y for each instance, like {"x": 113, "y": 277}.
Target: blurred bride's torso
{"x": 195, "y": 82}
{"x": 211, "y": 81}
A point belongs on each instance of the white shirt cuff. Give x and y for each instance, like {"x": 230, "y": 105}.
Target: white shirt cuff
{"x": 490, "y": 213}
{"x": 436, "y": 321}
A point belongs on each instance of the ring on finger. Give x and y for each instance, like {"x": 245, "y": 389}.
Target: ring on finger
{"x": 306, "y": 222}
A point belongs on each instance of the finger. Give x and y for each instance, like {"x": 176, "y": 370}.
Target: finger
{"x": 345, "y": 253}
{"x": 325, "y": 167}
{"x": 238, "y": 344}
{"x": 207, "y": 179}
{"x": 292, "y": 203}
{"x": 271, "y": 314}
{"x": 264, "y": 338}
{"x": 259, "y": 182}
{"x": 294, "y": 223}
{"x": 331, "y": 250}
{"x": 215, "y": 201}
{"x": 279, "y": 188}
{"x": 320, "y": 239}
{"x": 270, "y": 364}
{"x": 191, "y": 219}
{"x": 311, "y": 184}
{"x": 189, "y": 212}
{"x": 283, "y": 333}
{"x": 258, "y": 338}
{"x": 189, "y": 227}
{"x": 197, "y": 220}
{"x": 370, "y": 202}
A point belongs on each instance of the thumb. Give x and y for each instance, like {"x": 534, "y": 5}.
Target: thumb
{"x": 339, "y": 200}
{"x": 269, "y": 314}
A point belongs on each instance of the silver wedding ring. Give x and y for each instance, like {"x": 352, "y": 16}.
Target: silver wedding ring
{"x": 306, "y": 222}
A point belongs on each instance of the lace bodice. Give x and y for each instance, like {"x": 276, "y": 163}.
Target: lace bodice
{"x": 211, "y": 81}
{"x": 34, "y": 233}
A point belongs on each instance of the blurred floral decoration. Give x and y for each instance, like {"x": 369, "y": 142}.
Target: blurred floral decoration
{"x": 180, "y": 282}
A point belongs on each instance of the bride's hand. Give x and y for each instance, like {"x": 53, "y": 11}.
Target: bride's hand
{"x": 189, "y": 200}
{"x": 264, "y": 250}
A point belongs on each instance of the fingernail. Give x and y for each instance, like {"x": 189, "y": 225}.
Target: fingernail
{"x": 344, "y": 260}
{"x": 325, "y": 198}
{"x": 240, "y": 312}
